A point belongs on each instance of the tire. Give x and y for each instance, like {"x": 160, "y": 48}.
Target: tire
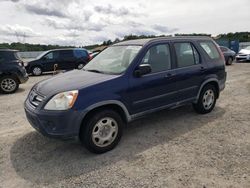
{"x": 36, "y": 71}
{"x": 8, "y": 84}
{"x": 230, "y": 61}
{"x": 80, "y": 66}
{"x": 207, "y": 100}
{"x": 102, "y": 131}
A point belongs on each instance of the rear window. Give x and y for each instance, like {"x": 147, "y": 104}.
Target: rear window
{"x": 211, "y": 50}
{"x": 80, "y": 53}
{"x": 64, "y": 54}
{"x": 8, "y": 56}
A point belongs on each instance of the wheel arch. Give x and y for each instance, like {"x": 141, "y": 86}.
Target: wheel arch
{"x": 117, "y": 106}
{"x": 3, "y": 74}
{"x": 212, "y": 81}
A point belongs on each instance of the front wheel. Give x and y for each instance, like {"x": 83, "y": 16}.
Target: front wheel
{"x": 36, "y": 71}
{"x": 102, "y": 131}
{"x": 207, "y": 100}
{"x": 8, "y": 85}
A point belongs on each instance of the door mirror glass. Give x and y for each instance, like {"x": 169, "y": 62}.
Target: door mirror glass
{"x": 143, "y": 69}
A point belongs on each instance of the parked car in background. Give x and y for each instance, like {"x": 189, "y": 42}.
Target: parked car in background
{"x": 126, "y": 81}
{"x": 12, "y": 71}
{"x": 244, "y": 54}
{"x": 61, "y": 59}
{"x": 229, "y": 55}
{"x": 94, "y": 54}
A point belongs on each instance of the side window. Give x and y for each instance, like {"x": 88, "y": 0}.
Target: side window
{"x": 1, "y": 58}
{"x": 51, "y": 56}
{"x": 186, "y": 54}
{"x": 158, "y": 57}
{"x": 66, "y": 54}
{"x": 80, "y": 53}
{"x": 211, "y": 50}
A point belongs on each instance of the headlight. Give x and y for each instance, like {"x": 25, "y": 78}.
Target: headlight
{"x": 62, "y": 101}
{"x": 25, "y": 64}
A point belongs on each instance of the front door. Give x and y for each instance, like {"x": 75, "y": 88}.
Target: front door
{"x": 157, "y": 89}
{"x": 50, "y": 61}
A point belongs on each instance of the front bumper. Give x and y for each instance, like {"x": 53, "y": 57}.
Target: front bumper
{"x": 23, "y": 79}
{"x": 59, "y": 124}
{"x": 242, "y": 57}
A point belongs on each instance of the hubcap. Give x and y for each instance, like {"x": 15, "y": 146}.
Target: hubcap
{"x": 80, "y": 66}
{"x": 104, "y": 132}
{"x": 8, "y": 85}
{"x": 37, "y": 71}
{"x": 208, "y": 99}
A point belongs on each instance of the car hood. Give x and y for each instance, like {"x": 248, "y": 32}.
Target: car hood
{"x": 72, "y": 80}
{"x": 244, "y": 51}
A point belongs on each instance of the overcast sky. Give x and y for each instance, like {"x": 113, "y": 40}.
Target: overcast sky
{"x": 82, "y": 22}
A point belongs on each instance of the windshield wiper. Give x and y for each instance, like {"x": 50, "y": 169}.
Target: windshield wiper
{"x": 93, "y": 70}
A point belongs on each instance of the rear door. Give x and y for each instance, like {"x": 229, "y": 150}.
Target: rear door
{"x": 67, "y": 60}
{"x": 190, "y": 70}
{"x": 81, "y": 56}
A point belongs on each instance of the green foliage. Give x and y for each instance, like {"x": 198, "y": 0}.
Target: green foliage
{"x": 241, "y": 36}
{"x": 194, "y": 34}
{"x": 31, "y": 47}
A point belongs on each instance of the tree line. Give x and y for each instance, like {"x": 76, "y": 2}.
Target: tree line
{"x": 241, "y": 36}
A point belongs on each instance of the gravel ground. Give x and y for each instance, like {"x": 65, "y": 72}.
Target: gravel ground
{"x": 171, "y": 148}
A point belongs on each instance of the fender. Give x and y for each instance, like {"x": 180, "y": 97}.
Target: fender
{"x": 108, "y": 102}
{"x": 204, "y": 83}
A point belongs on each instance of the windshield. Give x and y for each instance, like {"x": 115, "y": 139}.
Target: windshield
{"x": 41, "y": 55}
{"x": 113, "y": 60}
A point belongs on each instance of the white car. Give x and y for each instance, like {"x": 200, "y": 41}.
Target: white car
{"x": 244, "y": 54}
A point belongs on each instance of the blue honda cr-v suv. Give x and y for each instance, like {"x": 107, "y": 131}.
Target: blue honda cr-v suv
{"x": 124, "y": 82}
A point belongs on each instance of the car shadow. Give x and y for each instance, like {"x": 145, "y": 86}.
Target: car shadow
{"x": 20, "y": 90}
{"x": 42, "y": 160}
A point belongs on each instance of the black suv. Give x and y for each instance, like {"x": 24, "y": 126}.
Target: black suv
{"x": 12, "y": 72}
{"x": 61, "y": 59}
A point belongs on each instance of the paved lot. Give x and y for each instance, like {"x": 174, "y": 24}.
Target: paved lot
{"x": 171, "y": 148}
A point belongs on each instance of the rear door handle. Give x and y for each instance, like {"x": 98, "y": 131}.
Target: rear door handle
{"x": 169, "y": 75}
{"x": 203, "y": 69}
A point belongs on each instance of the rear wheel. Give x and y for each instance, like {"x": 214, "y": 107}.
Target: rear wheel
{"x": 102, "y": 131}
{"x": 36, "y": 71}
{"x": 80, "y": 66}
{"x": 8, "y": 84}
{"x": 207, "y": 100}
{"x": 230, "y": 61}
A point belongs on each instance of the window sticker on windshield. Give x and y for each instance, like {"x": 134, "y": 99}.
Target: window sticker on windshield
{"x": 133, "y": 47}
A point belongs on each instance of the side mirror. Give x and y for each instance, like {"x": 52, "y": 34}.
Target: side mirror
{"x": 142, "y": 70}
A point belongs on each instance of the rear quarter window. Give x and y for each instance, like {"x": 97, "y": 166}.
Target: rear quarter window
{"x": 80, "y": 53}
{"x": 210, "y": 49}
{"x": 64, "y": 54}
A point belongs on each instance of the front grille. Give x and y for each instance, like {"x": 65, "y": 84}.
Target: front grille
{"x": 35, "y": 98}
